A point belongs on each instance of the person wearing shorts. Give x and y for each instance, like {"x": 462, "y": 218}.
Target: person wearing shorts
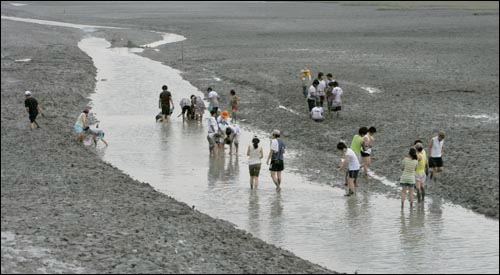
{"x": 234, "y": 102}
{"x": 366, "y": 149}
{"x": 337, "y": 92}
{"x": 407, "y": 180}
{"x": 276, "y": 157}
{"x": 255, "y": 154}
{"x": 350, "y": 161}
{"x": 213, "y": 129}
{"x": 436, "y": 154}
{"x": 165, "y": 101}
{"x": 80, "y": 124}
{"x": 32, "y": 108}
{"x": 420, "y": 175}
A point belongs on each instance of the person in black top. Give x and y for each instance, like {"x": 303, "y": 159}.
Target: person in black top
{"x": 165, "y": 102}
{"x": 32, "y": 108}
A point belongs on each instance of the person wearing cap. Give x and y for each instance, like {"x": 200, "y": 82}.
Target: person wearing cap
{"x": 80, "y": 125}
{"x": 436, "y": 151}
{"x": 276, "y": 158}
{"x": 32, "y": 108}
{"x": 255, "y": 154}
{"x": 164, "y": 103}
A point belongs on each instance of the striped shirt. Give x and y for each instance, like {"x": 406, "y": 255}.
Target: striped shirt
{"x": 409, "y": 167}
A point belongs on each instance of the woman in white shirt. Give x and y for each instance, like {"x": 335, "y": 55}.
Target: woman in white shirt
{"x": 255, "y": 154}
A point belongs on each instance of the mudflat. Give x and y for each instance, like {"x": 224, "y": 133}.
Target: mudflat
{"x": 433, "y": 69}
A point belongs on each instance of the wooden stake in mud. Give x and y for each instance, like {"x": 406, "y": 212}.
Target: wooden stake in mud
{"x": 182, "y": 51}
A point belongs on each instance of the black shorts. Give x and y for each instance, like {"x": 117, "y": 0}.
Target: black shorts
{"x": 363, "y": 154}
{"x": 353, "y": 174}
{"x": 32, "y": 116}
{"x": 277, "y": 165}
{"x": 165, "y": 110}
{"x": 186, "y": 109}
{"x": 254, "y": 170}
{"x": 436, "y": 162}
{"x": 336, "y": 109}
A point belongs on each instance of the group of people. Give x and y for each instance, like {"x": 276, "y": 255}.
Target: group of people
{"x": 319, "y": 91}
{"x": 82, "y": 129}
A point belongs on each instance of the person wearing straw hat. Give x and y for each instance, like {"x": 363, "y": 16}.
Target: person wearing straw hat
{"x": 32, "y": 108}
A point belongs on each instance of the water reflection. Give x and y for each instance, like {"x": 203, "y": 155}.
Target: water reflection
{"x": 254, "y": 212}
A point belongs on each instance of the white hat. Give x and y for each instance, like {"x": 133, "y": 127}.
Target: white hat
{"x": 27, "y": 93}
{"x": 276, "y": 132}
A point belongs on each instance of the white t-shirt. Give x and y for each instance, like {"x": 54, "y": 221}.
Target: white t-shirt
{"x": 213, "y": 97}
{"x": 353, "y": 160}
{"x": 185, "y": 102}
{"x": 436, "y": 147}
{"x": 321, "y": 88}
{"x": 311, "y": 92}
{"x": 254, "y": 157}
{"x": 317, "y": 113}
{"x": 235, "y": 129}
{"x": 337, "y": 93}
{"x": 212, "y": 125}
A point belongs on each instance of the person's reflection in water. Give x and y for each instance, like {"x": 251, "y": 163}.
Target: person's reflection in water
{"x": 276, "y": 220}
{"x": 232, "y": 173}
{"x": 352, "y": 214}
{"x": 215, "y": 171}
{"x": 253, "y": 213}
{"x": 412, "y": 233}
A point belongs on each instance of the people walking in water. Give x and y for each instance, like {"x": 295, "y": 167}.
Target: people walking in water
{"x": 366, "y": 149}
{"x": 222, "y": 123}
{"x": 276, "y": 158}
{"x": 305, "y": 76}
{"x": 199, "y": 107}
{"x": 213, "y": 99}
{"x": 32, "y": 108}
{"x": 185, "y": 104}
{"x": 234, "y": 102}
{"x": 233, "y": 133}
{"x": 336, "y": 96}
{"x": 318, "y": 113}
{"x": 312, "y": 95}
{"x": 255, "y": 154}
{"x": 407, "y": 180}
{"x": 436, "y": 157}
{"x": 420, "y": 175}
{"x": 165, "y": 102}
{"x": 213, "y": 132}
{"x": 80, "y": 124}
{"x": 350, "y": 161}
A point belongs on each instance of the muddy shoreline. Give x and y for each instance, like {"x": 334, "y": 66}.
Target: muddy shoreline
{"x": 65, "y": 210}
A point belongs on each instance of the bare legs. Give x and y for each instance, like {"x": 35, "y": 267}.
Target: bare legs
{"x": 276, "y": 176}
{"x": 403, "y": 195}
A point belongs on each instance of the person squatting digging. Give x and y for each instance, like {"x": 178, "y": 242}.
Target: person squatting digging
{"x": 97, "y": 134}
{"x": 187, "y": 110}
{"x": 198, "y": 107}
{"x": 233, "y": 137}
{"x": 255, "y": 154}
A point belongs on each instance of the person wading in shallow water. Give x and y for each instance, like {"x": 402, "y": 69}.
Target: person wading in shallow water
{"x": 255, "y": 154}
{"x": 165, "y": 102}
{"x": 420, "y": 175}
{"x": 276, "y": 158}
{"x": 407, "y": 179}
{"x": 351, "y": 161}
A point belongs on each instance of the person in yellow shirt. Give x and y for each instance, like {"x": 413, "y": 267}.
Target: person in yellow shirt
{"x": 305, "y": 76}
{"x": 420, "y": 175}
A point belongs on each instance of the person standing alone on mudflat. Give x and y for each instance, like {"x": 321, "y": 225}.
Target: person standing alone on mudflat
{"x": 32, "y": 108}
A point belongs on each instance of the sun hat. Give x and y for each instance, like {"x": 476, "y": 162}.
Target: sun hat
{"x": 27, "y": 93}
{"x": 225, "y": 114}
{"x": 276, "y": 132}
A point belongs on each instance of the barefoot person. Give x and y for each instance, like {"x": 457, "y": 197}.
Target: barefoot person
{"x": 255, "y": 154}
{"x": 97, "y": 134}
{"x": 235, "y": 105}
{"x": 32, "y": 108}
{"x": 407, "y": 179}
{"x": 276, "y": 158}
{"x": 80, "y": 124}
{"x": 420, "y": 175}
{"x": 436, "y": 151}
{"x": 213, "y": 131}
{"x": 366, "y": 149}
{"x": 165, "y": 102}
{"x": 351, "y": 161}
